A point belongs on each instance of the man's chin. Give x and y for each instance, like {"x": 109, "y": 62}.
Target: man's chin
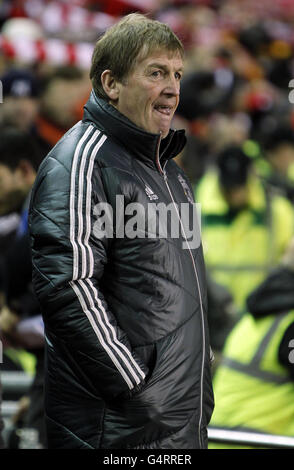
{"x": 158, "y": 129}
{"x": 164, "y": 132}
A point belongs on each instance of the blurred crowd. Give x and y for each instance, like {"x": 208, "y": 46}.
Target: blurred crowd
{"x": 236, "y": 105}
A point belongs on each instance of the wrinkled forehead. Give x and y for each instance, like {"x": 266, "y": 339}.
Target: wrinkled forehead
{"x": 153, "y": 50}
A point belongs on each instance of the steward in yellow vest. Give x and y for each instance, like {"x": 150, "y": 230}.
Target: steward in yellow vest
{"x": 245, "y": 226}
{"x": 254, "y": 383}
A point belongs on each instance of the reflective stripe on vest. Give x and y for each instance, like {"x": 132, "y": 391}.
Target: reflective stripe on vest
{"x": 253, "y": 367}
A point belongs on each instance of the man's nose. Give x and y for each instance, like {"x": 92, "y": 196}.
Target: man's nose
{"x": 172, "y": 86}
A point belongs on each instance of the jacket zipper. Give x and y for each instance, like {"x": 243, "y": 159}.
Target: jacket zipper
{"x": 163, "y": 173}
{"x": 201, "y": 309}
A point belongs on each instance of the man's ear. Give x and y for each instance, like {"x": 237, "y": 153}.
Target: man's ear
{"x": 110, "y": 85}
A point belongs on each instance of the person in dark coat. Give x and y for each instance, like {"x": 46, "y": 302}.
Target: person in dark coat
{"x": 123, "y": 296}
{"x": 1, "y": 420}
{"x": 20, "y": 312}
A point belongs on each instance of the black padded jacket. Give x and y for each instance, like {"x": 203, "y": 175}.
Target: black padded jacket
{"x": 128, "y": 363}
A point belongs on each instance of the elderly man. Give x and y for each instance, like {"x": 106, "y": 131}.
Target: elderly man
{"x": 124, "y": 309}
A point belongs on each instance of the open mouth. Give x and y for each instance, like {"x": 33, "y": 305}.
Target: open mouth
{"x": 163, "y": 109}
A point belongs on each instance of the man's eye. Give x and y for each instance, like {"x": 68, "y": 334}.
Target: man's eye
{"x": 178, "y": 75}
{"x": 156, "y": 73}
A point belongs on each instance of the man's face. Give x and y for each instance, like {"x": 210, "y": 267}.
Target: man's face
{"x": 282, "y": 158}
{"x": 150, "y": 94}
{"x": 20, "y": 112}
{"x": 13, "y": 189}
{"x": 59, "y": 102}
{"x": 237, "y": 197}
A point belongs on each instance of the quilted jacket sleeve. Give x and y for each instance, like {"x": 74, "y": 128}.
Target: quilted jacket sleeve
{"x": 68, "y": 264}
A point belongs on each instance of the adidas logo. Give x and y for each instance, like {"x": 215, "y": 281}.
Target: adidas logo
{"x": 152, "y": 196}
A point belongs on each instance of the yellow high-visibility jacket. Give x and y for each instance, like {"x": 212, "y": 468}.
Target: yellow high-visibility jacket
{"x": 241, "y": 249}
{"x": 253, "y": 390}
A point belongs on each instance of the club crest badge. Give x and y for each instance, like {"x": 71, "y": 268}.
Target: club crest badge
{"x": 186, "y": 188}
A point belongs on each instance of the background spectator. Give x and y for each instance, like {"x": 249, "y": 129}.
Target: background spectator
{"x": 20, "y": 314}
{"x": 278, "y": 150}
{"x": 60, "y": 106}
{"x": 21, "y": 91}
{"x": 1, "y": 421}
{"x": 245, "y": 227}
{"x": 254, "y": 383}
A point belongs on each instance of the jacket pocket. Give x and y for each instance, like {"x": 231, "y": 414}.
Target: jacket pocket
{"x": 166, "y": 402}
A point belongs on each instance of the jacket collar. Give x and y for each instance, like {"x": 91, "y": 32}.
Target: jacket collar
{"x": 145, "y": 146}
